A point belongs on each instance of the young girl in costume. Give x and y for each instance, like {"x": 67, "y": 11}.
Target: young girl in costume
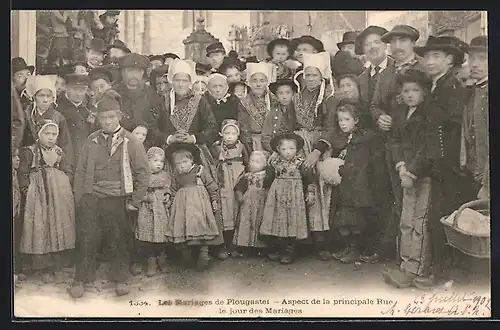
{"x": 230, "y": 156}
{"x": 153, "y": 215}
{"x": 357, "y": 191}
{"x": 48, "y": 234}
{"x": 194, "y": 198}
{"x": 285, "y": 208}
{"x": 251, "y": 192}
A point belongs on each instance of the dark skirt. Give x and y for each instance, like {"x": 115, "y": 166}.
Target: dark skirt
{"x": 352, "y": 216}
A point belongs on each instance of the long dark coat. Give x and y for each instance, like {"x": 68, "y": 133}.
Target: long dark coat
{"x": 141, "y": 106}
{"x": 76, "y": 118}
{"x": 359, "y": 186}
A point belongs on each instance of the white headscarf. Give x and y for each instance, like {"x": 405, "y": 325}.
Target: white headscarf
{"x": 267, "y": 70}
{"x": 218, "y": 75}
{"x": 179, "y": 66}
{"x": 322, "y": 62}
{"x": 47, "y": 124}
{"x": 36, "y": 83}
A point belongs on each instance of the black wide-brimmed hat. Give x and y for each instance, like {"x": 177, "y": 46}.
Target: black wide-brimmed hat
{"x": 280, "y": 42}
{"x": 360, "y": 39}
{"x": 202, "y": 69}
{"x": 18, "y": 63}
{"x": 273, "y": 87}
{"x": 120, "y": 45}
{"x": 478, "y": 44}
{"x": 310, "y": 40}
{"x": 349, "y": 37}
{"x": 231, "y": 61}
{"x": 289, "y": 136}
{"x": 192, "y": 148}
{"x": 448, "y": 44}
{"x": 401, "y": 31}
{"x": 171, "y": 55}
{"x": 157, "y": 58}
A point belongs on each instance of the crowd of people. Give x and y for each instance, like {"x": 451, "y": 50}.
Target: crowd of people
{"x": 304, "y": 154}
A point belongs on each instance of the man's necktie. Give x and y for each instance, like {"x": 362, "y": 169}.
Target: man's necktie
{"x": 109, "y": 142}
{"x": 377, "y": 70}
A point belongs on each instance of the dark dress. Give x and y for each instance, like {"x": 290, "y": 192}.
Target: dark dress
{"x": 227, "y": 108}
{"x": 358, "y": 190}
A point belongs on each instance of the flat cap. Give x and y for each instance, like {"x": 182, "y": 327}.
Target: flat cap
{"x": 110, "y": 101}
{"x": 100, "y": 73}
{"x": 401, "y": 31}
{"x": 74, "y": 79}
{"x": 134, "y": 60}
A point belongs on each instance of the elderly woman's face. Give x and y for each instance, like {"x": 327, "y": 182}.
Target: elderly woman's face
{"x": 132, "y": 76}
{"x": 312, "y": 77}
{"x": 181, "y": 83}
{"x": 348, "y": 89}
{"x": 44, "y": 98}
{"x": 218, "y": 87}
{"x": 258, "y": 83}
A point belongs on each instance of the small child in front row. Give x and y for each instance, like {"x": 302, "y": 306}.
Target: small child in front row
{"x": 152, "y": 219}
{"x": 251, "y": 193}
{"x": 357, "y": 191}
{"x": 48, "y": 235}
{"x": 408, "y": 148}
{"x": 194, "y": 199}
{"x": 285, "y": 216}
{"x": 230, "y": 156}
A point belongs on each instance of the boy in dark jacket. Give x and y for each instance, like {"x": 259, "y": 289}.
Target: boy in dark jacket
{"x": 408, "y": 149}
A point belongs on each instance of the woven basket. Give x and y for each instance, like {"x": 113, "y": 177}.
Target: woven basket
{"x": 469, "y": 243}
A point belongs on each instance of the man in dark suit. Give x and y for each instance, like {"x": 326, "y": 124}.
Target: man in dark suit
{"x": 385, "y": 101}
{"x": 369, "y": 42}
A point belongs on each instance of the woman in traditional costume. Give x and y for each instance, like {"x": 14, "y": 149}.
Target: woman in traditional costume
{"x": 257, "y": 103}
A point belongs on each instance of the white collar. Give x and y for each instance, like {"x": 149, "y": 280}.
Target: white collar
{"x": 382, "y": 66}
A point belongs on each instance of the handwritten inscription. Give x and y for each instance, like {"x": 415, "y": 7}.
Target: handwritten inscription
{"x": 436, "y": 304}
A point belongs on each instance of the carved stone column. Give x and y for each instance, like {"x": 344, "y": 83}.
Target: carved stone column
{"x": 196, "y": 43}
